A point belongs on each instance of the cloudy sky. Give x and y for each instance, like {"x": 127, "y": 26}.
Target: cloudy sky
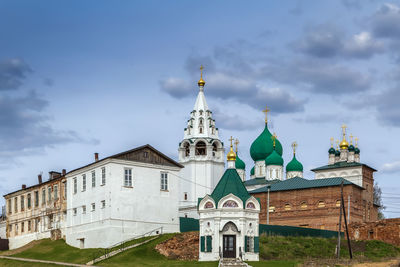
{"x": 78, "y": 77}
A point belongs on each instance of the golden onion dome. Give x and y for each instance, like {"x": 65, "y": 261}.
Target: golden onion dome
{"x": 231, "y": 155}
{"x": 344, "y": 144}
{"x": 201, "y": 82}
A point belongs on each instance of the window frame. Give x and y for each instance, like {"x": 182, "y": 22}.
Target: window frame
{"x": 29, "y": 201}
{"x": 103, "y": 204}
{"x": 93, "y": 206}
{"x": 93, "y": 178}
{"x": 75, "y": 185}
{"x": 164, "y": 181}
{"x": 83, "y": 182}
{"x": 103, "y": 175}
{"x": 128, "y": 177}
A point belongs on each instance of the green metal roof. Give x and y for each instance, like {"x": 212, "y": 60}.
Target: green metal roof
{"x": 262, "y": 147}
{"x": 230, "y": 183}
{"x": 239, "y": 164}
{"x": 274, "y": 159}
{"x": 297, "y": 183}
{"x": 260, "y": 180}
{"x": 342, "y": 164}
{"x": 294, "y": 165}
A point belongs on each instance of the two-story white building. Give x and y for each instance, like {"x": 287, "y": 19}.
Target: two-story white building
{"x": 122, "y": 196}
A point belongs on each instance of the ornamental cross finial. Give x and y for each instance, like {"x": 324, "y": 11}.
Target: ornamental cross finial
{"x": 273, "y": 137}
{"x": 201, "y": 71}
{"x": 356, "y": 139}
{"x": 351, "y": 139}
{"x": 294, "y": 146}
{"x": 236, "y": 144}
{"x": 266, "y": 110}
{"x": 332, "y": 140}
{"x": 344, "y": 129}
{"x": 231, "y": 139}
{"x": 337, "y": 144}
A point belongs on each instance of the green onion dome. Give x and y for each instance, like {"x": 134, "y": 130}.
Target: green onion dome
{"x": 239, "y": 164}
{"x": 356, "y": 150}
{"x": 331, "y": 150}
{"x": 252, "y": 171}
{"x": 294, "y": 165}
{"x": 337, "y": 153}
{"x": 274, "y": 159}
{"x": 262, "y": 147}
{"x": 351, "y": 148}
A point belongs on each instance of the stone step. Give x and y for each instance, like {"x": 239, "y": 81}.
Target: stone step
{"x": 233, "y": 262}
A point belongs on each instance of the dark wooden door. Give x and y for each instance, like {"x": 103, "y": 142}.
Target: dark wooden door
{"x": 229, "y": 248}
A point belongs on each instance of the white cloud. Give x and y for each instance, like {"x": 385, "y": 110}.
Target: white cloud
{"x": 391, "y": 167}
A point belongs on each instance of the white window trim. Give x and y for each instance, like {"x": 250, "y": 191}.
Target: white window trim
{"x": 164, "y": 181}
{"x": 130, "y": 179}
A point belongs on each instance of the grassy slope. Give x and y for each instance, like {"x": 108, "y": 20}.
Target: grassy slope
{"x": 12, "y": 263}
{"x": 278, "y": 247}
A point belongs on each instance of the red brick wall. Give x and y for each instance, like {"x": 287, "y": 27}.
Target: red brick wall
{"x": 387, "y": 230}
{"x": 312, "y": 216}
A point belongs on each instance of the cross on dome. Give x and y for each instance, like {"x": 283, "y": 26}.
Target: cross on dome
{"x": 201, "y": 82}
{"x": 294, "y": 146}
{"x": 236, "y": 144}
{"x": 332, "y": 141}
{"x": 266, "y": 110}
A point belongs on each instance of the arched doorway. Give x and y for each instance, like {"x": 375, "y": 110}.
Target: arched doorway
{"x": 229, "y": 234}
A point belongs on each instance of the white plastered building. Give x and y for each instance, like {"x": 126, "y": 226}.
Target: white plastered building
{"x": 229, "y": 220}
{"x": 202, "y": 154}
{"x": 122, "y": 196}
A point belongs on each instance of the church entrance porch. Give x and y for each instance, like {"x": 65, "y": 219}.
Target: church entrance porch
{"x": 229, "y": 246}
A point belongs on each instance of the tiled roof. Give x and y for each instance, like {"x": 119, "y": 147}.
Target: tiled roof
{"x": 342, "y": 164}
{"x": 230, "y": 183}
{"x": 301, "y": 183}
{"x": 257, "y": 181}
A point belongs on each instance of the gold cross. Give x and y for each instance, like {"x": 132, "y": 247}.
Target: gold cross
{"x": 332, "y": 141}
{"x": 356, "y": 139}
{"x": 231, "y": 139}
{"x": 266, "y": 110}
{"x": 351, "y": 139}
{"x": 294, "y": 146}
{"x": 344, "y": 129}
{"x": 201, "y": 71}
{"x": 236, "y": 143}
{"x": 337, "y": 144}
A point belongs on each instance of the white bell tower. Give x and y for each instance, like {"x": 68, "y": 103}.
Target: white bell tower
{"x": 202, "y": 154}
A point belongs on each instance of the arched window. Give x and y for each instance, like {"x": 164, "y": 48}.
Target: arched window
{"x": 201, "y": 130}
{"x": 209, "y": 205}
{"x": 230, "y": 204}
{"x": 201, "y": 122}
{"x": 287, "y": 206}
{"x": 214, "y": 148}
{"x": 201, "y": 148}
{"x": 271, "y": 208}
{"x": 321, "y": 204}
{"x": 201, "y": 112}
{"x": 250, "y": 205}
{"x": 303, "y": 205}
{"x": 338, "y": 203}
{"x": 187, "y": 149}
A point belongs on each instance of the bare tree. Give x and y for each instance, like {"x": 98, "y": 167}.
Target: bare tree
{"x": 378, "y": 201}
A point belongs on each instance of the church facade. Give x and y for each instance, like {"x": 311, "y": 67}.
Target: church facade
{"x": 229, "y": 219}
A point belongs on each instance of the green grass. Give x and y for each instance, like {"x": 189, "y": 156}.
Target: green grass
{"x": 146, "y": 255}
{"x": 296, "y": 248}
{"x": 13, "y": 263}
{"x": 273, "y": 263}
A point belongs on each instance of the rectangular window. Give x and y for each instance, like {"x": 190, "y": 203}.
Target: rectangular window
{"x": 15, "y": 204}
{"x": 83, "y": 209}
{"x": 93, "y": 206}
{"x": 83, "y": 182}
{"x": 29, "y": 226}
{"x": 36, "y": 198}
{"x": 128, "y": 178}
{"x": 43, "y": 196}
{"x": 9, "y": 206}
{"x": 93, "y": 179}
{"x": 10, "y": 228}
{"x": 65, "y": 189}
{"x": 16, "y": 229}
{"x": 103, "y": 204}
{"x": 75, "y": 185}
{"x": 49, "y": 193}
{"x": 29, "y": 201}
{"x": 22, "y": 203}
{"x": 103, "y": 175}
{"x": 75, "y": 211}
{"x": 164, "y": 181}
{"x": 22, "y": 227}
{"x": 56, "y": 192}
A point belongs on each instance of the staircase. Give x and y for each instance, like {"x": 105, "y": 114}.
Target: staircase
{"x": 232, "y": 262}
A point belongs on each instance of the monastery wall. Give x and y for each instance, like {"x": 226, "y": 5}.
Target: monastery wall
{"x": 387, "y": 230}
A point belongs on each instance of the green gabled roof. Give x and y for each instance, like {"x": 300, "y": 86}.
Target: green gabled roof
{"x": 342, "y": 164}
{"x": 259, "y": 180}
{"x": 297, "y": 183}
{"x": 230, "y": 183}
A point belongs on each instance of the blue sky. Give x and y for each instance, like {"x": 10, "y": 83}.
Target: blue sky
{"x": 78, "y": 77}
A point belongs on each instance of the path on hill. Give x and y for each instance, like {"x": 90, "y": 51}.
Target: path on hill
{"x": 43, "y": 261}
{"x": 391, "y": 263}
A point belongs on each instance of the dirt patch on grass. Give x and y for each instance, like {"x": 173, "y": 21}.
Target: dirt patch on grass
{"x": 392, "y": 263}
{"x": 183, "y": 246}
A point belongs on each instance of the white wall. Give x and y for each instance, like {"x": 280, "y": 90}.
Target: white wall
{"x": 353, "y": 174}
{"x": 129, "y": 211}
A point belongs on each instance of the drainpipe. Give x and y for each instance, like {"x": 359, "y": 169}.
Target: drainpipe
{"x": 348, "y": 209}
{"x": 268, "y": 187}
